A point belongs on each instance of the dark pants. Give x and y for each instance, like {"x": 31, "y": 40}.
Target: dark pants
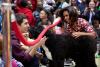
{"x": 33, "y": 63}
{"x": 81, "y": 50}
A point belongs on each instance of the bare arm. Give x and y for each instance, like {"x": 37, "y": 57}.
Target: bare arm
{"x": 77, "y": 34}
{"x": 40, "y": 43}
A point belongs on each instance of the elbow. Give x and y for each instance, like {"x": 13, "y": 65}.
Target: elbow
{"x": 94, "y": 35}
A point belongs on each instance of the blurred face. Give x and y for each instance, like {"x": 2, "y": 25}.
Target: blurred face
{"x": 92, "y": 5}
{"x": 24, "y": 26}
{"x": 66, "y": 16}
{"x": 73, "y": 2}
{"x": 96, "y": 23}
{"x": 43, "y": 15}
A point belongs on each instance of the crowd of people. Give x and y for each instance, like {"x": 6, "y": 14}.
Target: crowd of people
{"x": 80, "y": 21}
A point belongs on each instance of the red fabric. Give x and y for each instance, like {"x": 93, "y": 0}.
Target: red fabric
{"x": 34, "y": 3}
{"x": 27, "y": 12}
{"x": 29, "y": 15}
{"x": 19, "y": 35}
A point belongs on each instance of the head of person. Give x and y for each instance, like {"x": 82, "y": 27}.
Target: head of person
{"x": 22, "y": 22}
{"x": 69, "y": 15}
{"x": 73, "y": 2}
{"x": 96, "y": 21}
{"x": 91, "y": 4}
{"x": 44, "y": 14}
{"x": 23, "y": 3}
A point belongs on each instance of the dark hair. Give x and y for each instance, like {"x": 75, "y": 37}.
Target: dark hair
{"x": 46, "y": 11}
{"x": 73, "y": 14}
{"x": 49, "y": 14}
{"x": 20, "y": 17}
{"x": 23, "y": 3}
{"x": 96, "y": 17}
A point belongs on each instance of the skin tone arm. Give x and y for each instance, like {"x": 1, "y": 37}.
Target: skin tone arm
{"x": 24, "y": 47}
{"x": 77, "y": 34}
{"x": 34, "y": 48}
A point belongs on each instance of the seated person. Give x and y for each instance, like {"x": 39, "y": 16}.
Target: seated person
{"x": 26, "y": 56}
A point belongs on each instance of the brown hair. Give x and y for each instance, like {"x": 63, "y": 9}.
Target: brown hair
{"x": 20, "y": 17}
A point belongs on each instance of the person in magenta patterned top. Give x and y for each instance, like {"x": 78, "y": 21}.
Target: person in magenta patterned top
{"x": 79, "y": 26}
{"x": 81, "y": 38}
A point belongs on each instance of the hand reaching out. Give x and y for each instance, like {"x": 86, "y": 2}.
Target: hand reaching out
{"x": 42, "y": 41}
{"x": 33, "y": 49}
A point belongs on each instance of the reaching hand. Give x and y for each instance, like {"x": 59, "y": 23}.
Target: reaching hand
{"x": 42, "y": 41}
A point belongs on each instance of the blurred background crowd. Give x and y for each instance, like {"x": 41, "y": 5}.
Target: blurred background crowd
{"x": 44, "y": 12}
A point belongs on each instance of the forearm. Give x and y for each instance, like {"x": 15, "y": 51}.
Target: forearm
{"x": 78, "y": 34}
{"x": 92, "y": 34}
{"x": 33, "y": 49}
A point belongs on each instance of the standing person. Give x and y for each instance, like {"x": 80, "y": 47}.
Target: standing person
{"x": 82, "y": 42}
{"x": 26, "y": 56}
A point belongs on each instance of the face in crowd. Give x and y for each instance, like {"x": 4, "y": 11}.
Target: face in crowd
{"x": 24, "y": 26}
{"x": 69, "y": 14}
{"x": 66, "y": 16}
{"x": 43, "y": 14}
{"x": 22, "y": 22}
{"x": 91, "y": 5}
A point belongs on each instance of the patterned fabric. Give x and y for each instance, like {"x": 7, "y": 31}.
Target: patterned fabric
{"x": 16, "y": 63}
{"x": 81, "y": 25}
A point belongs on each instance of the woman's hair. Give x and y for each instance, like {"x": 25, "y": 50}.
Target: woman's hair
{"x": 73, "y": 14}
{"x": 46, "y": 11}
{"x": 20, "y": 17}
{"x": 49, "y": 14}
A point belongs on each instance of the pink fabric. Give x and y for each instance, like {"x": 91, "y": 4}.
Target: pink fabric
{"x": 14, "y": 64}
{"x": 58, "y": 30}
{"x": 24, "y": 41}
{"x": 81, "y": 24}
{"x": 28, "y": 13}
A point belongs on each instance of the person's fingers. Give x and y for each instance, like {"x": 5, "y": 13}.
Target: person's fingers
{"x": 42, "y": 41}
{"x": 44, "y": 38}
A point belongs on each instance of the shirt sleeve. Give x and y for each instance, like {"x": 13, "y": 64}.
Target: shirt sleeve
{"x": 86, "y": 26}
{"x": 17, "y": 52}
